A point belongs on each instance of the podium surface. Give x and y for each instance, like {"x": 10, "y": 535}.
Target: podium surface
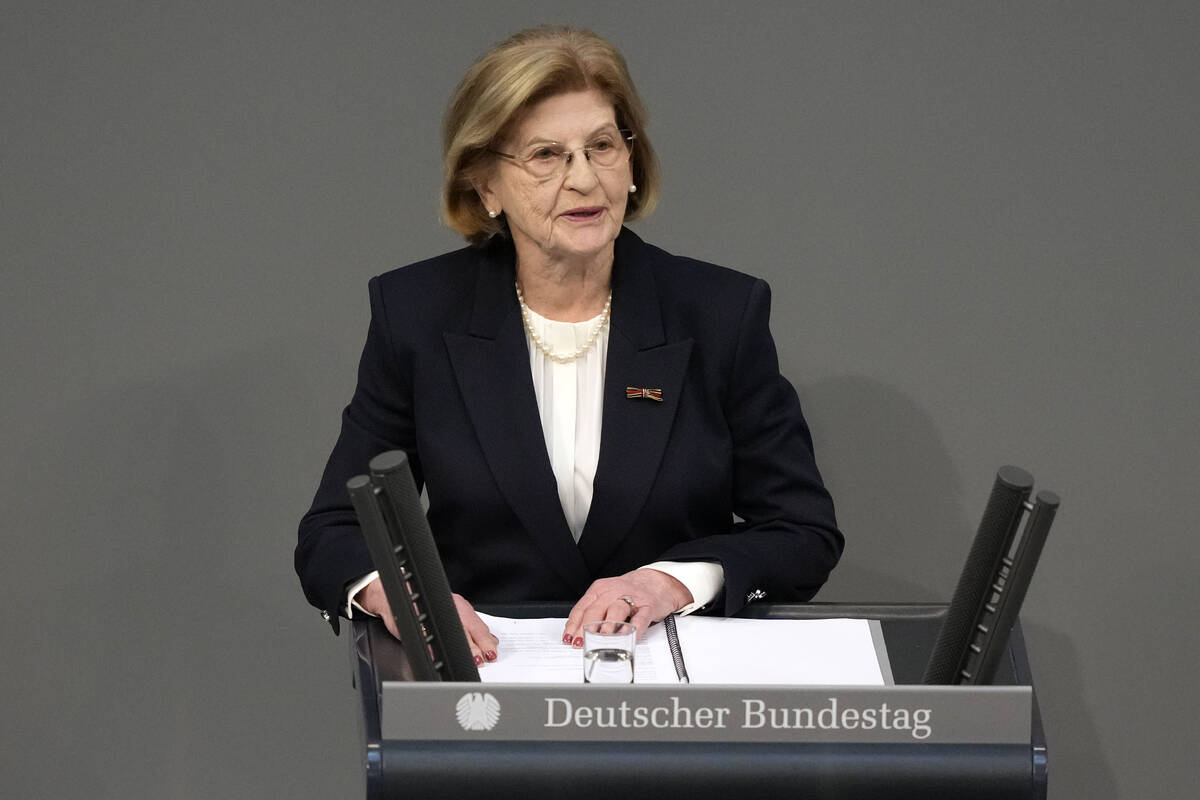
{"x": 574, "y": 769}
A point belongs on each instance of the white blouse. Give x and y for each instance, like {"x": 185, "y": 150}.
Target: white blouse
{"x": 570, "y": 398}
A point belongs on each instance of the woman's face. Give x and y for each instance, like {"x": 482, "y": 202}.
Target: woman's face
{"x": 576, "y": 213}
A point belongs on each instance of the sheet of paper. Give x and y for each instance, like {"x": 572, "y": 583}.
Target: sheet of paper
{"x": 532, "y": 651}
{"x": 791, "y": 652}
{"x": 716, "y": 650}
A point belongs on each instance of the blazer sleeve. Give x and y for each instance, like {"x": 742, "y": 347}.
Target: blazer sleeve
{"x": 331, "y": 551}
{"x": 787, "y": 541}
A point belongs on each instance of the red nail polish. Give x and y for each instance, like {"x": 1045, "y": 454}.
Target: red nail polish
{"x": 567, "y": 638}
{"x": 578, "y": 641}
{"x": 490, "y": 655}
{"x": 479, "y": 661}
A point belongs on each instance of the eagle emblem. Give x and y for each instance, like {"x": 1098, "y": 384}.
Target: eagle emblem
{"x": 477, "y": 711}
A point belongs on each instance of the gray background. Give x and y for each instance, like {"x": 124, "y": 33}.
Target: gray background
{"x": 980, "y": 222}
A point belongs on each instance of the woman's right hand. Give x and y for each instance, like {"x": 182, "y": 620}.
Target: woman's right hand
{"x": 481, "y": 641}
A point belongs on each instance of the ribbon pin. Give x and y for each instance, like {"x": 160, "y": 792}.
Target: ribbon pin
{"x": 634, "y": 393}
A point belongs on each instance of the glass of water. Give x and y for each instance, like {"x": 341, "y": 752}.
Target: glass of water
{"x": 608, "y": 652}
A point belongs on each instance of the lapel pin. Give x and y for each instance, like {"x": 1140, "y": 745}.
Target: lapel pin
{"x": 635, "y": 393}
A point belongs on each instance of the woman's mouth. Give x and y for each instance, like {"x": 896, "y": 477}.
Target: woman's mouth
{"x": 584, "y": 214}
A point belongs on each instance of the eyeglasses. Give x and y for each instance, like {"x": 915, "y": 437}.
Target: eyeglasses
{"x": 546, "y": 160}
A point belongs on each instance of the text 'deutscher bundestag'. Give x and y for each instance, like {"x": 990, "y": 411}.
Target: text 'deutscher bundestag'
{"x": 883, "y": 715}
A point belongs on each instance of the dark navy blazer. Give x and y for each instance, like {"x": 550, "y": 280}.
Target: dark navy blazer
{"x": 445, "y": 376}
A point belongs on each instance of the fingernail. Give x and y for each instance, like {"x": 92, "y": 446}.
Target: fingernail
{"x": 578, "y": 641}
{"x": 490, "y": 655}
{"x": 479, "y": 661}
{"x": 567, "y": 638}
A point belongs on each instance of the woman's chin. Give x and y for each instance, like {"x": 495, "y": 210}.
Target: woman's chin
{"x": 583, "y": 241}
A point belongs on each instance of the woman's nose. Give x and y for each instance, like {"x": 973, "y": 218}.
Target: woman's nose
{"x": 580, "y": 170}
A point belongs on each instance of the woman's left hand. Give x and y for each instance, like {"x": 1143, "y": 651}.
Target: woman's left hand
{"x": 642, "y": 596}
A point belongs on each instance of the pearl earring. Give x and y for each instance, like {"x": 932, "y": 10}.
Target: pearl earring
{"x": 632, "y": 188}
{"x": 492, "y": 214}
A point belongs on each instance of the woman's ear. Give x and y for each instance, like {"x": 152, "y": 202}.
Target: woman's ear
{"x": 491, "y": 203}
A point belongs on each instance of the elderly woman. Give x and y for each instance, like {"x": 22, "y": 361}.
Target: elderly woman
{"x": 594, "y": 419}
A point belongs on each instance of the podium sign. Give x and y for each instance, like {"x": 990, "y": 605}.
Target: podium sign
{"x": 810, "y": 714}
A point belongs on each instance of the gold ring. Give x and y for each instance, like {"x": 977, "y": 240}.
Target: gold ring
{"x": 629, "y": 600}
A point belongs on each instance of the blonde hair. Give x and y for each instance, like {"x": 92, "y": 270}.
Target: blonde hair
{"x": 516, "y": 74}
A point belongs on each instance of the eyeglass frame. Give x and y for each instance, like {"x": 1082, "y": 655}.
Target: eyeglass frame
{"x": 626, "y": 135}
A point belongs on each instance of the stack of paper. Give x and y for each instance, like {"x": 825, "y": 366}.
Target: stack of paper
{"x": 788, "y": 652}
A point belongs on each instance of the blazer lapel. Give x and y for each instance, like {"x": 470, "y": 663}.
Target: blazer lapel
{"x": 491, "y": 364}
{"x": 635, "y": 431}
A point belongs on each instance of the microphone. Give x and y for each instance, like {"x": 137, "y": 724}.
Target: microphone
{"x": 980, "y": 575}
{"x": 402, "y": 546}
{"x": 1000, "y": 612}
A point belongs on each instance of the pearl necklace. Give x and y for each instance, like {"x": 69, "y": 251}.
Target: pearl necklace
{"x": 562, "y": 358}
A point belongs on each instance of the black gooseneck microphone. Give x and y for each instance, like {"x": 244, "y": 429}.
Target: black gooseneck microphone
{"x": 410, "y": 569}
{"x": 992, "y": 585}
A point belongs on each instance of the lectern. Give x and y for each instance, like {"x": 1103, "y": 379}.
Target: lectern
{"x": 431, "y": 729}
{"x": 711, "y": 769}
